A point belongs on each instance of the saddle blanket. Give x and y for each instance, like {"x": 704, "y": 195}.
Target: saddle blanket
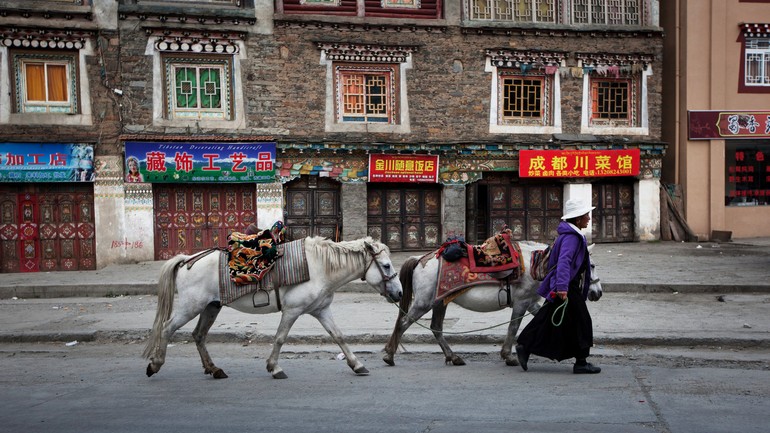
{"x": 290, "y": 269}
{"x": 455, "y": 277}
{"x": 253, "y": 254}
{"x": 496, "y": 254}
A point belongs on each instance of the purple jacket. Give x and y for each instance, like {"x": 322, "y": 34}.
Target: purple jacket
{"x": 571, "y": 252}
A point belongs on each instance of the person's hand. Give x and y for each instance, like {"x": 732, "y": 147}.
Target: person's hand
{"x": 561, "y": 295}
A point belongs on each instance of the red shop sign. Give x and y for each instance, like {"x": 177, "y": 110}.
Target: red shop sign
{"x": 403, "y": 168}
{"x": 578, "y": 163}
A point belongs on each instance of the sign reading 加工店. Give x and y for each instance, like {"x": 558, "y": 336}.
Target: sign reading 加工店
{"x": 403, "y": 168}
{"x": 579, "y": 163}
{"x": 46, "y": 162}
{"x": 184, "y": 162}
{"x": 707, "y": 125}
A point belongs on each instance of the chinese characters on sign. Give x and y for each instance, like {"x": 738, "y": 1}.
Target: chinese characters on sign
{"x": 403, "y": 168}
{"x": 46, "y": 162}
{"x": 200, "y": 162}
{"x": 705, "y": 125}
{"x": 578, "y": 163}
{"x": 747, "y": 177}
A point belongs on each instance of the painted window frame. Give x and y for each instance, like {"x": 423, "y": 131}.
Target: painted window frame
{"x": 592, "y": 14}
{"x": 638, "y": 124}
{"x": 23, "y": 61}
{"x": 494, "y": 11}
{"x": 398, "y": 122}
{"x": 76, "y": 112}
{"x": 388, "y": 73}
{"x": 222, "y": 63}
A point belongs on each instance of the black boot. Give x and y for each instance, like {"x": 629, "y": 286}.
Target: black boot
{"x": 583, "y": 367}
{"x": 523, "y": 355}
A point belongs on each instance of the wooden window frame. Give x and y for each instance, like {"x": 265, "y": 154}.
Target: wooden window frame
{"x": 22, "y": 59}
{"x": 591, "y": 15}
{"x": 494, "y": 10}
{"x": 632, "y": 108}
{"x": 746, "y": 51}
{"x": 545, "y": 99}
{"x": 390, "y": 73}
{"x": 224, "y": 63}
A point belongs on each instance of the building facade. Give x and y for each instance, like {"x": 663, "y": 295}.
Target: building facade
{"x": 405, "y": 120}
{"x": 717, "y": 69}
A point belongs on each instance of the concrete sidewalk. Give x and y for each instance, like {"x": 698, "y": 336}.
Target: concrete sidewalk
{"x": 661, "y": 293}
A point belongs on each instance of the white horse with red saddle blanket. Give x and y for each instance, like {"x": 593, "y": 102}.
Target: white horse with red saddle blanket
{"x": 330, "y": 265}
{"x": 419, "y": 279}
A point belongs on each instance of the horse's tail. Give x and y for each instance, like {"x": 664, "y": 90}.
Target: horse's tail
{"x": 166, "y": 289}
{"x": 405, "y": 276}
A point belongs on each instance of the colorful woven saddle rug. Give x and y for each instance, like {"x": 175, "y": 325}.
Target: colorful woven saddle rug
{"x": 479, "y": 268}
{"x": 251, "y": 256}
{"x": 290, "y": 269}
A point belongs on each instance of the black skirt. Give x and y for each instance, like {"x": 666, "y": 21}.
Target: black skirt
{"x": 573, "y": 338}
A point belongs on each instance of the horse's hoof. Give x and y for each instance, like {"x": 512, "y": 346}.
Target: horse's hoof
{"x": 361, "y": 371}
{"x": 280, "y": 375}
{"x": 458, "y": 361}
{"x": 219, "y": 374}
{"x": 511, "y": 362}
{"x": 389, "y": 360}
{"x": 150, "y": 371}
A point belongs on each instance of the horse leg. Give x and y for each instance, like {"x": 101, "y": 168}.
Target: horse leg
{"x": 207, "y": 318}
{"x": 172, "y": 325}
{"x": 402, "y": 325}
{"x": 327, "y": 321}
{"x": 287, "y": 321}
{"x": 437, "y": 326}
{"x": 517, "y": 313}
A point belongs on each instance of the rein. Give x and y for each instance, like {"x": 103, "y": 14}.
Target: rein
{"x": 385, "y": 278}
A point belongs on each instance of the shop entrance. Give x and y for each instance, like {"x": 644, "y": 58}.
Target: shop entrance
{"x": 192, "y": 218}
{"x": 405, "y": 217}
{"x": 312, "y": 208}
{"x": 47, "y": 227}
{"x": 531, "y": 210}
{"x": 613, "y": 218}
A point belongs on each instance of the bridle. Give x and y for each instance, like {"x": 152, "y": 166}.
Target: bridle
{"x": 385, "y": 278}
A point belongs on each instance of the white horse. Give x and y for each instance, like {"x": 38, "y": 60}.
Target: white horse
{"x": 331, "y": 265}
{"x": 421, "y": 282}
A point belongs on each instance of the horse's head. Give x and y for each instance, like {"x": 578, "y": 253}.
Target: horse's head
{"x": 595, "y": 289}
{"x": 383, "y": 274}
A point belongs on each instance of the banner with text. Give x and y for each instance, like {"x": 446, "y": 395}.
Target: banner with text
{"x": 403, "y": 168}
{"x": 46, "y": 162}
{"x": 579, "y": 163}
{"x": 178, "y": 162}
{"x": 705, "y": 125}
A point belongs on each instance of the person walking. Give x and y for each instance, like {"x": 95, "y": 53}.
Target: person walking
{"x": 562, "y": 328}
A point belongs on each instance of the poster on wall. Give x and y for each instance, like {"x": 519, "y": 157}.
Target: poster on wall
{"x": 46, "y": 162}
{"x": 579, "y": 163}
{"x": 403, "y": 168}
{"x": 184, "y": 162}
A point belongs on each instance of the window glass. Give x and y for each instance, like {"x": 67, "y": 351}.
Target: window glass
{"x": 607, "y": 12}
{"x": 757, "y": 62}
{"x": 198, "y": 88}
{"x": 747, "y": 173}
{"x": 539, "y": 11}
{"x": 45, "y": 82}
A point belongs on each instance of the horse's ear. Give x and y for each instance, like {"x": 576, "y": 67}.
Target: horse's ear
{"x": 369, "y": 246}
{"x": 590, "y": 248}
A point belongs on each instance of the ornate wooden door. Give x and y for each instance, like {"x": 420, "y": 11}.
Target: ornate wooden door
{"x": 613, "y": 218}
{"x": 312, "y": 208}
{"x": 191, "y": 218}
{"x": 531, "y": 210}
{"x": 405, "y": 217}
{"x": 47, "y": 228}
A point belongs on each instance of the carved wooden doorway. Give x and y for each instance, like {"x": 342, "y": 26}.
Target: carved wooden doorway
{"x": 191, "y": 218}
{"x": 313, "y": 208}
{"x": 47, "y": 227}
{"x": 613, "y": 218}
{"x": 404, "y": 216}
{"x": 531, "y": 210}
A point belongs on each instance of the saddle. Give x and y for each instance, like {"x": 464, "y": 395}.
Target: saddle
{"x": 251, "y": 256}
{"x": 496, "y": 261}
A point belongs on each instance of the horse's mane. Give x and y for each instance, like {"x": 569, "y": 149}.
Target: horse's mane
{"x": 342, "y": 255}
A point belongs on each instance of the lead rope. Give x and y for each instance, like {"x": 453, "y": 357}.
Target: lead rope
{"x": 563, "y": 308}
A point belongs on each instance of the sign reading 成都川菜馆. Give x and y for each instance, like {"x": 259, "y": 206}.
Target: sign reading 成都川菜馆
{"x": 47, "y": 162}
{"x": 184, "y": 162}
{"x": 403, "y": 168}
{"x": 579, "y": 163}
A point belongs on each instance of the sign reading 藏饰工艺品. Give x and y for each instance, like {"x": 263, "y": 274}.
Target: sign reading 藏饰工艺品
{"x": 184, "y": 162}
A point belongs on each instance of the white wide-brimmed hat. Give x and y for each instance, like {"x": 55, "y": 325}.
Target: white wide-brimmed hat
{"x": 575, "y": 208}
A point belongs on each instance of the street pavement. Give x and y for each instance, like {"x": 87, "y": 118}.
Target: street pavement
{"x": 662, "y": 294}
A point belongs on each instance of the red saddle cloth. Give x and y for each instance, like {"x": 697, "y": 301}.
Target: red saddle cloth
{"x": 496, "y": 254}
{"x": 479, "y": 267}
{"x": 251, "y": 256}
